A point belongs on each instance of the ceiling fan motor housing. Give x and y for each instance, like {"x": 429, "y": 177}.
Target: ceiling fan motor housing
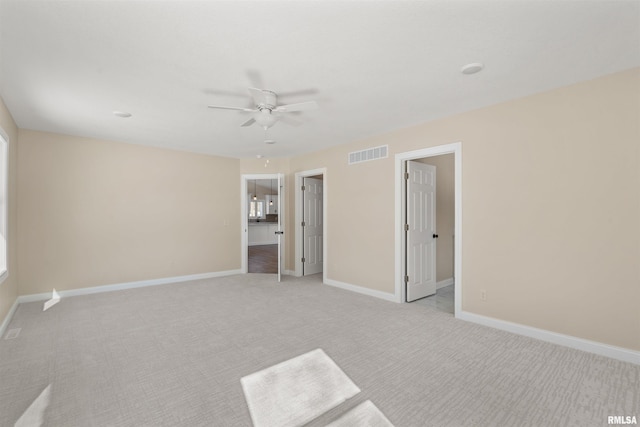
{"x": 270, "y": 99}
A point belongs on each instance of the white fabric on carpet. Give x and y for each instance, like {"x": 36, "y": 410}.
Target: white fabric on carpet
{"x": 296, "y": 391}
{"x": 34, "y": 415}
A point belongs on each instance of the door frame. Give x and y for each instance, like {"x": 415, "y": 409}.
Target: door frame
{"x": 400, "y": 213}
{"x": 298, "y": 219}
{"x": 244, "y": 216}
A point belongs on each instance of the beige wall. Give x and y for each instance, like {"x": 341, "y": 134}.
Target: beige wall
{"x": 100, "y": 212}
{"x": 359, "y": 244}
{"x": 9, "y": 288}
{"x": 260, "y": 166}
{"x": 445, "y": 213}
{"x": 551, "y": 208}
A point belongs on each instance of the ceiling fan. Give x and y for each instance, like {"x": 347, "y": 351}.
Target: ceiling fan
{"x": 267, "y": 111}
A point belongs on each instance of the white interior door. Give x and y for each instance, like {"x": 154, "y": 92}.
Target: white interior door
{"x": 280, "y": 232}
{"x": 312, "y": 226}
{"x": 421, "y": 230}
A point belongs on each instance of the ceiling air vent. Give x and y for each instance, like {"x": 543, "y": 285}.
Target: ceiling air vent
{"x": 368, "y": 154}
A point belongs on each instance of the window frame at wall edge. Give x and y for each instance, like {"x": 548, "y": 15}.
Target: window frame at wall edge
{"x": 4, "y": 145}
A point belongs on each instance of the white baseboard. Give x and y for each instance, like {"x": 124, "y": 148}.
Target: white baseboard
{"x": 444, "y": 283}
{"x": 8, "y": 318}
{"x": 361, "y": 290}
{"x": 127, "y": 285}
{"x": 619, "y": 353}
{"x": 290, "y": 272}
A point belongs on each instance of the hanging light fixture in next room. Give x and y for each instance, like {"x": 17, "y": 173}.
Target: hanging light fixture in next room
{"x": 271, "y": 192}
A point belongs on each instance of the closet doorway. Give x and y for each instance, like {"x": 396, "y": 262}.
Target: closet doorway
{"x": 311, "y": 228}
{"x": 450, "y": 280}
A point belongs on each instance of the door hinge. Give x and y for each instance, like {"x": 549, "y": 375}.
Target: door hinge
{"x": 303, "y": 260}
{"x": 406, "y": 176}
{"x": 406, "y": 279}
{"x": 304, "y": 224}
{"x": 303, "y": 188}
{"x": 406, "y": 227}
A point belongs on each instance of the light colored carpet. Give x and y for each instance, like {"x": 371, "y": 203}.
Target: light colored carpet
{"x": 173, "y": 355}
{"x": 294, "y": 392}
{"x": 365, "y": 414}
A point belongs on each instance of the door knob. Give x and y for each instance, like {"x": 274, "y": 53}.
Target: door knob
{"x": 435, "y": 236}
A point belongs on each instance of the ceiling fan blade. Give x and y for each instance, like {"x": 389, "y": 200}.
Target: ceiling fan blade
{"x": 220, "y": 92}
{"x": 289, "y": 120}
{"x": 301, "y": 92}
{"x": 248, "y": 110}
{"x": 248, "y": 122}
{"x": 255, "y": 78}
{"x": 259, "y": 97}
{"x": 301, "y": 106}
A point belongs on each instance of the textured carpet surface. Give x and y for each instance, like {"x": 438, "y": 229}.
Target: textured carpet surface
{"x": 173, "y": 355}
{"x": 365, "y": 414}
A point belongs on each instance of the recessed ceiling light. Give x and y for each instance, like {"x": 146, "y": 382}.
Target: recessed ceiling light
{"x": 472, "y": 68}
{"x": 269, "y": 141}
{"x": 122, "y": 114}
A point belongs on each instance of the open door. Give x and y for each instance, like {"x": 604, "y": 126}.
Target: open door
{"x": 421, "y": 230}
{"x": 280, "y": 232}
{"x": 311, "y": 225}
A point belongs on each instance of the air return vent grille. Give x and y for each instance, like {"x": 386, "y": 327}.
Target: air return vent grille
{"x": 374, "y": 153}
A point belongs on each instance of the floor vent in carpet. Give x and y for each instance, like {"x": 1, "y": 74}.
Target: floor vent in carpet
{"x": 12, "y": 333}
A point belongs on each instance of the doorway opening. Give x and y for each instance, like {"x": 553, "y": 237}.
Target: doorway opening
{"x": 310, "y": 214}
{"x": 428, "y": 227}
{"x": 262, "y": 213}
{"x": 263, "y": 223}
{"x": 429, "y": 239}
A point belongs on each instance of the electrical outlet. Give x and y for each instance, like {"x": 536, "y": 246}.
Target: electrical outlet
{"x": 483, "y": 295}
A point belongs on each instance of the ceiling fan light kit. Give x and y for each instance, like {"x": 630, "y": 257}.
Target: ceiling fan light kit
{"x": 264, "y": 118}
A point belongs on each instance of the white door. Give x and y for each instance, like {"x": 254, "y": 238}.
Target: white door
{"x": 312, "y": 226}
{"x": 421, "y": 230}
{"x": 280, "y": 232}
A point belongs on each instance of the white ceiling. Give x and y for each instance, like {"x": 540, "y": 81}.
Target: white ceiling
{"x": 373, "y": 66}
